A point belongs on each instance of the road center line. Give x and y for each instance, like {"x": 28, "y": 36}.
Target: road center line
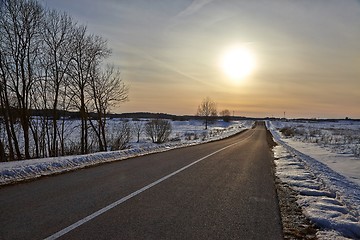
{"x": 131, "y": 195}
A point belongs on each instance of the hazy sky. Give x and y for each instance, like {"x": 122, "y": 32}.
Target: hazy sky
{"x": 307, "y": 53}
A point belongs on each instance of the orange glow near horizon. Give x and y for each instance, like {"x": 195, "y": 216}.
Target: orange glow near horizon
{"x": 254, "y": 58}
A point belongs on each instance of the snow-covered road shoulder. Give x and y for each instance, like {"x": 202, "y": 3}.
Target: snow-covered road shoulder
{"x": 16, "y": 171}
{"x": 331, "y": 201}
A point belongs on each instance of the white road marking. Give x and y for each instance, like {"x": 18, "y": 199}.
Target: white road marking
{"x": 131, "y": 195}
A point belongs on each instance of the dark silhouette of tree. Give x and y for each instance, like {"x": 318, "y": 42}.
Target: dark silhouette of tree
{"x": 207, "y": 111}
{"x": 106, "y": 89}
{"x": 50, "y": 64}
{"x": 89, "y": 51}
{"x": 2, "y": 152}
{"x": 226, "y": 115}
{"x": 58, "y": 34}
{"x": 20, "y": 56}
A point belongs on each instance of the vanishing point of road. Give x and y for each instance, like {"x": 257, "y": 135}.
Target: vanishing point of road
{"x": 219, "y": 190}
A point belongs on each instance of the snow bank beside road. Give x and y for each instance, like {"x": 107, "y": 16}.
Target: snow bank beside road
{"x": 16, "y": 171}
{"x": 327, "y": 198}
{"x": 333, "y": 143}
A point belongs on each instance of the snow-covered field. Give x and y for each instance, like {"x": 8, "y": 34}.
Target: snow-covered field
{"x": 321, "y": 162}
{"x": 184, "y": 133}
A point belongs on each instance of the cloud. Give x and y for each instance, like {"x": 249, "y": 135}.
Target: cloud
{"x": 142, "y": 54}
{"x": 194, "y": 7}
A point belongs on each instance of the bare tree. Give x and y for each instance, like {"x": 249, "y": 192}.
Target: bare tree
{"x": 122, "y": 136}
{"x": 158, "y": 130}
{"x": 138, "y": 128}
{"x": 225, "y": 114}
{"x": 2, "y": 152}
{"x": 58, "y": 34}
{"x": 2, "y": 149}
{"x": 207, "y": 110}
{"x": 50, "y": 64}
{"x": 106, "y": 89}
{"x": 6, "y": 106}
{"x": 89, "y": 51}
{"x": 20, "y": 26}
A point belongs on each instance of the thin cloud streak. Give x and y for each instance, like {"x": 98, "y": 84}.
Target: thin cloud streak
{"x": 142, "y": 54}
{"x": 307, "y": 52}
{"x": 194, "y": 7}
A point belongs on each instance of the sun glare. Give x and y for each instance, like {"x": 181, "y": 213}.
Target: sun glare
{"x": 238, "y": 62}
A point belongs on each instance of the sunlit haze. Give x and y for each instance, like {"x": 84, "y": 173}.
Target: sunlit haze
{"x": 238, "y": 62}
{"x": 297, "y": 57}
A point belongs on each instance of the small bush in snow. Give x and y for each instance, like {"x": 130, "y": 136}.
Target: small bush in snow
{"x": 158, "y": 130}
{"x": 204, "y": 136}
{"x": 176, "y": 138}
{"x": 138, "y": 128}
{"x": 122, "y": 136}
{"x": 287, "y": 131}
{"x": 191, "y": 136}
{"x": 356, "y": 150}
{"x": 72, "y": 148}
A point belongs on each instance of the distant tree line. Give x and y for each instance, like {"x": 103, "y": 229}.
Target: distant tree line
{"x": 49, "y": 62}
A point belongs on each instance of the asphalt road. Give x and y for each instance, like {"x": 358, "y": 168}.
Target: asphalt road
{"x": 219, "y": 190}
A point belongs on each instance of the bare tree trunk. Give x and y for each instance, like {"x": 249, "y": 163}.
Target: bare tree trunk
{"x": 7, "y": 115}
{"x": 35, "y": 133}
{"x": 2, "y": 152}
{"x": 97, "y": 131}
{"x": 103, "y": 133}
{"x": 84, "y": 129}
{"x": 7, "y": 129}
{"x": 14, "y": 138}
{"x": 9, "y": 123}
{"x": 61, "y": 137}
{"x": 65, "y": 102}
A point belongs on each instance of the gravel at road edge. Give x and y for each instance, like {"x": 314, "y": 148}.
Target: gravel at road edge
{"x": 295, "y": 224}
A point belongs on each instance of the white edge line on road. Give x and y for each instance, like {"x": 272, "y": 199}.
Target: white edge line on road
{"x": 131, "y": 195}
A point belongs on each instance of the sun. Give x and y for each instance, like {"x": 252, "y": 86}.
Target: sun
{"x": 238, "y": 62}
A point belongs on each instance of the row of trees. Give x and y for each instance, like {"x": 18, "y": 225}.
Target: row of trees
{"x": 50, "y": 62}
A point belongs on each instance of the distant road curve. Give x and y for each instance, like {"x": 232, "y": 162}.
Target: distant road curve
{"x": 218, "y": 190}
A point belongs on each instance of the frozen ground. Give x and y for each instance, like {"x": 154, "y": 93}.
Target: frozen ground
{"x": 318, "y": 162}
{"x": 185, "y": 133}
